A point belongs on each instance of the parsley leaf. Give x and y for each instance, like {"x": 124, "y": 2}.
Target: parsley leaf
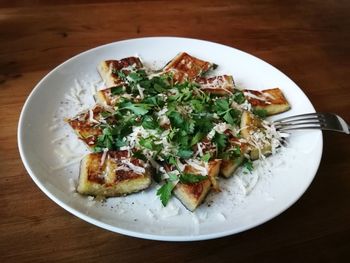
{"x": 176, "y": 119}
{"x": 172, "y": 160}
{"x": 220, "y": 140}
{"x": 239, "y": 97}
{"x": 248, "y": 164}
{"x": 206, "y": 157}
{"x": 189, "y": 125}
{"x": 197, "y": 138}
{"x": 262, "y": 113}
{"x": 138, "y": 109}
{"x": 222, "y": 105}
{"x": 228, "y": 118}
{"x": 117, "y": 90}
{"x": 149, "y": 122}
{"x": 188, "y": 178}
{"x": 149, "y": 144}
{"x": 184, "y": 153}
{"x": 197, "y": 105}
{"x": 136, "y": 77}
{"x": 139, "y": 155}
{"x": 164, "y": 192}
{"x": 232, "y": 117}
{"x": 231, "y": 154}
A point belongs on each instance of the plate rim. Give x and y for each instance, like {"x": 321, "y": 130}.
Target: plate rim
{"x": 137, "y": 234}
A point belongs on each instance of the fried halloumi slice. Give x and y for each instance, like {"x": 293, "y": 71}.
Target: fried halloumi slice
{"x": 187, "y": 68}
{"x": 218, "y": 85}
{"x": 230, "y": 165}
{"x": 270, "y": 100}
{"x": 108, "y": 96}
{"x": 254, "y": 132}
{"x": 108, "y": 69}
{"x": 86, "y": 125}
{"x": 112, "y": 174}
{"x": 191, "y": 195}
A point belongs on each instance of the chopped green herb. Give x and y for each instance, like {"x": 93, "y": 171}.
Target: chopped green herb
{"x": 149, "y": 122}
{"x": 188, "y": 178}
{"x": 176, "y": 119}
{"x": 138, "y": 109}
{"x": 148, "y": 143}
{"x": 139, "y": 155}
{"x": 220, "y": 140}
{"x": 260, "y": 112}
{"x": 117, "y": 90}
{"x": 239, "y": 97}
{"x": 248, "y": 164}
{"x": 206, "y": 157}
{"x": 185, "y": 154}
{"x": 197, "y": 138}
{"x": 164, "y": 192}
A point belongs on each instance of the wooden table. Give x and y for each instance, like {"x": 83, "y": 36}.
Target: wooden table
{"x": 307, "y": 40}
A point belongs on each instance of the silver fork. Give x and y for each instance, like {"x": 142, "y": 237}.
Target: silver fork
{"x": 317, "y": 120}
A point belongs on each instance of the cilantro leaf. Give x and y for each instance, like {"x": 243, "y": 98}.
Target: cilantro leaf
{"x": 248, "y": 164}
{"x": 184, "y": 153}
{"x": 176, "y": 119}
{"x": 197, "y": 138}
{"x": 236, "y": 151}
{"x": 172, "y": 160}
{"x": 231, "y": 154}
{"x": 262, "y": 113}
{"x": 188, "y": 178}
{"x": 206, "y": 157}
{"x": 164, "y": 192}
{"x": 149, "y": 122}
{"x": 204, "y": 125}
{"x": 138, "y": 109}
{"x": 172, "y": 177}
{"x": 220, "y": 140}
{"x": 222, "y": 105}
{"x": 120, "y": 143}
{"x": 139, "y": 155}
{"x": 197, "y": 105}
{"x": 119, "y": 73}
{"x": 136, "y": 77}
{"x": 228, "y": 118}
{"x": 232, "y": 117}
{"x": 147, "y": 143}
{"x": 117, "y": 90}
{"x": 189, "y": 125}
{"x": 239, "y": 97}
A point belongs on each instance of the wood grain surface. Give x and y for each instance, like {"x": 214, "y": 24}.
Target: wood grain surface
{"x": 307, "y": 40}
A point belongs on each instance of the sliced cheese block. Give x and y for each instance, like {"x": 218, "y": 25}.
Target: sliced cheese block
{"x": 112, "y": 174}
{"x": 187, "y": 68}
{"x": 270, "y": 100}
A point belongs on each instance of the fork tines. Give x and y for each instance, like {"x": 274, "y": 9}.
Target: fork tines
{"x": 303, "y": 121}
{"x": 317, "y": 120}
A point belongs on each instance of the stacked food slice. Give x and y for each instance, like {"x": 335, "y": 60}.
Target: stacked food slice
{"x": 178, "y": 125}
{"x": 112, "y": 173}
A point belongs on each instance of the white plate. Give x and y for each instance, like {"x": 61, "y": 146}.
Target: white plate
{"x": 269, "y": 190}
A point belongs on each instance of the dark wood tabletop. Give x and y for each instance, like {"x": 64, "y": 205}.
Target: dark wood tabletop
{"x": 307, "y": 40}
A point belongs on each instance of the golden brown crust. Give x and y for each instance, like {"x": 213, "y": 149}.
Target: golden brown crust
{"x": 251, "y": 124}
{"x": 192, "y": 195}
{"x": 270, "y": 100}
{"x": 187, "y": 68}
{"x": 108, "y": 68}
{"x": 218, "y": 85}
{"x": 86, "y": 129}
{"x": 103, "y": 174}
